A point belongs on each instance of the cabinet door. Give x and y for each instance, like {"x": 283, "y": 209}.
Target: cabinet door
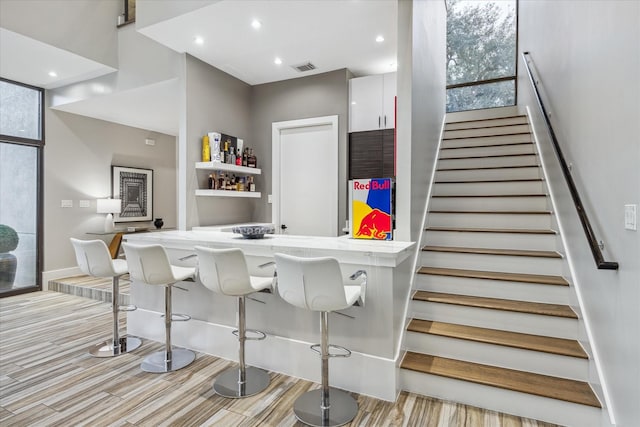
{"x": 388, "y": 153}
{"x": 365, "y": 108}
{"x": 388, "y": 101}
{"x": 365, "y": 155}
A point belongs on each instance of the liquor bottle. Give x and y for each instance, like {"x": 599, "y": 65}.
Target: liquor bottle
{"x": 245, "y": 155}
{"x": 239, "y": 158}
{"x": 206, "y": 149}
{"x": 252, "y": 185}
{"x": 211, "y": 182}
{"x": 252, "y": 161}
{"x": 232, "y": 183}
{"x": 221, "y": 181}
{"x": 225, "y": 153}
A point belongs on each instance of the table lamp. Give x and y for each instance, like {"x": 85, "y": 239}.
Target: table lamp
{"x": 108, "y": 206}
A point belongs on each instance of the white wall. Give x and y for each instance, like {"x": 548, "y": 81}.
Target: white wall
{"x": 78, "y": 155}
{"x": 588, "y": 57}
{"x": 421, "y": 107}
{"x": 149, "y": 12}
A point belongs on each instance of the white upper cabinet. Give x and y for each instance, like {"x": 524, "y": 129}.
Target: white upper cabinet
{"x": 372, "y": 102}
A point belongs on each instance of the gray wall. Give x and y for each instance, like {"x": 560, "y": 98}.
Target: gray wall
{"x": 588, "y": 57}
{"x": 421, "y": 107}
{"x": 149, "y": 12}
{"x": 87, "y": 29}
{"x": 314, "y": 96}
{"x": 78, "y": 155}
{"x": 215, "y": 101}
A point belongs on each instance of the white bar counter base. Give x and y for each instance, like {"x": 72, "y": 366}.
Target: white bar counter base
{"x": 372, "y": 332}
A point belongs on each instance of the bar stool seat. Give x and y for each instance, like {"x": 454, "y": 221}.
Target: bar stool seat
{"x": 316, "y": 284}
{"x": 94, "y": 259}
{"x": 225, "y": 271}
{"x": 150, "y": 265}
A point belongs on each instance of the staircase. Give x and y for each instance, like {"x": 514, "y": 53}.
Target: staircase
{"x": 491, "y": 323}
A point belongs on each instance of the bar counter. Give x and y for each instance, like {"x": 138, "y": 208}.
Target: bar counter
{"x": 372, "y": 331}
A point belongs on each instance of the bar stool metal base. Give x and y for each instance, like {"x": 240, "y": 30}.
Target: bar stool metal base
{"x": 157, "y": 362}
{"x": 106, "y": 348}
{"x": 343, "y": 408}
{"x": 227, "y": 384}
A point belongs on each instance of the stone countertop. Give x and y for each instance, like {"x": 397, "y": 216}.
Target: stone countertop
{"x": 344, "y": 248}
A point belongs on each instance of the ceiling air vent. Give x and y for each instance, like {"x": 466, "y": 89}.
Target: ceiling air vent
{"x": 306, "y": 66}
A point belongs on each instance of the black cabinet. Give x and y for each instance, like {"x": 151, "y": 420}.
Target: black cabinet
{"x": 372, "y": 154}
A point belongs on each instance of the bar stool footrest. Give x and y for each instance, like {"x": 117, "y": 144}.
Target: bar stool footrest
{"x": 131, "y": 307}
{"x": 346, "y": 351}
{"x": 176, "y": 317}
{"x": 260, "y": 335}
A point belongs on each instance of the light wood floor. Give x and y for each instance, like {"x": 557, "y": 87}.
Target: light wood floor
{"x": 47, "y": 378}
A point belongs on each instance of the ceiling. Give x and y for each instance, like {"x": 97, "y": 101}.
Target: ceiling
{"x": 331, "y": 34}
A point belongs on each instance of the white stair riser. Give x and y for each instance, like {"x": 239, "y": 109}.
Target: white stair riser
{"x": 498, "y": 355}
{"x": 498, "y": 399}
{"x": 487, "y": 151}
{"x": 483, "y": 188}
{"x": 526, "y": 323}
{"x": 502, "y": 130}
{"x": 489, "y": 220}
{"x": 483, "y": 114}
{"x": 502, "y": 263}
{"x": 536, "y": 242}
{"x": 521, "y": 120}
{"x": 531, "y": 172}
{"x": 520, "y": 160}
{"x": 531, "y": 203}
{"x": 486, "y": 140}
{"x": 549, "y": 294}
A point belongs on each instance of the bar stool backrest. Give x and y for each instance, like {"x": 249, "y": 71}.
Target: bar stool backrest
{"x": 311, "y": 283}
{"x": 149, "y": 264}
{"x": 94, "y": 259}
{"x": 224, "y": 271}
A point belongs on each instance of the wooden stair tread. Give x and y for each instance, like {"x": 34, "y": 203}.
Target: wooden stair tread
{"x": 504, "y": 144}
{"x": 557, "y": 310}
{"x": 488, "y": 251}
{"x": 540, "y": 385}
{"x": 485, "y": 181}
{"x": 492, "y": 230}
{"x": 560, "y": 346}
{"x": 488, "y": 167}
{"x": 496, "y": 275}
{"x": 487, "y": 126}
{"x": 483, "y": 136}
{"x": 491, "y": 195}
{"x": 487, "y": 156}
{"x": 495, "y": 212}
{"x": 518, "y": 116}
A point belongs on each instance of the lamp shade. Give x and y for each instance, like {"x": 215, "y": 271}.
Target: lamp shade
{"x": 108, "y": 205}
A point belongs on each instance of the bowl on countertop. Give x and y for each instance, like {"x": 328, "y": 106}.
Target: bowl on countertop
{"x": 256, "y": 231}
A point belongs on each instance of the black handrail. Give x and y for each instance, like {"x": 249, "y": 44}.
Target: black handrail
{"x": 582, "y": 214}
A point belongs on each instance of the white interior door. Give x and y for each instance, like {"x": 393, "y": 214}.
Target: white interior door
{"x": 305, "y": 176}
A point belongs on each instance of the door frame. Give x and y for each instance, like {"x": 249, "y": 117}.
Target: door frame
{"x": 332, "y": 174}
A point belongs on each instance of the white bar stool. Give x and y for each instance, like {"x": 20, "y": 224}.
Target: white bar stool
{"x": 94, "y": 259}
{"x": 225, "y": 271}
{"x": 150, "y": 265}
{"x": 316, "y": 284}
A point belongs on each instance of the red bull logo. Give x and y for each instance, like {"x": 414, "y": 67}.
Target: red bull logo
{"x": 371, "y": 215}
{"x": 376, "y": 225}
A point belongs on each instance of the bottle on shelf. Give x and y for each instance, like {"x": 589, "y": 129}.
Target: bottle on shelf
{"x": 238, "y": 158}
{"x": 206, "y": 149}
{"x": 225, "y": 152}
{"x": 245, "y": 155}
{"x": 252, "y": 185}
{"x": 214, "y": 146}
{"x": 212, "y": 182}
{"x": 221, "y": 182}
{"x": 252, "y": 161}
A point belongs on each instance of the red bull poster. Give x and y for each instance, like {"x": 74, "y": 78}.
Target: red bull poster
{"x": 371, "y": 213}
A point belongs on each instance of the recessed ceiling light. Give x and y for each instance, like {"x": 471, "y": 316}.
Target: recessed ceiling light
{"x": 53, "y": 74}
{"x": 277, "y": 61}
{"x": 198, "y": 40}
{"x": 256, "y": 24}
{"x": 379, "y": 39}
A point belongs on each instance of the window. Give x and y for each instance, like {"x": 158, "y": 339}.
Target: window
{"x": 21, "y": 145}
{"x": 481, "y": 54}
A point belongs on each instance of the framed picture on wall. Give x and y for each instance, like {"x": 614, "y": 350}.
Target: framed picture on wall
{"x": 134, "y": 186}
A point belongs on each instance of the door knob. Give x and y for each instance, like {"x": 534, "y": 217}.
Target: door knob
{"x": 283, "y": 227}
